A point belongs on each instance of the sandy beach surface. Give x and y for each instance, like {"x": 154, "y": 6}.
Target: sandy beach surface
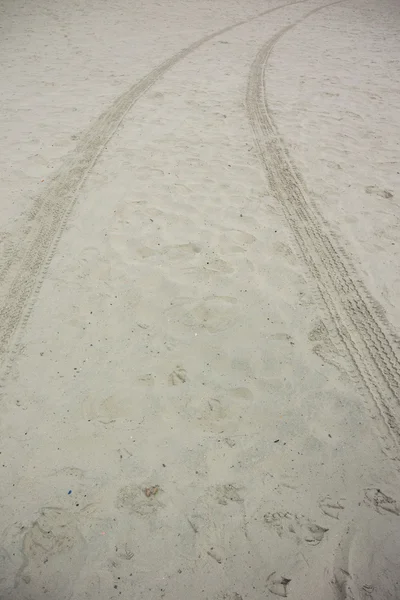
{"x": 199, "y": 300}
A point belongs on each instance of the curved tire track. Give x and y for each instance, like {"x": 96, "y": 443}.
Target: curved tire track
{"x": 24, "y": 264}
{"x": 358, "y": 322}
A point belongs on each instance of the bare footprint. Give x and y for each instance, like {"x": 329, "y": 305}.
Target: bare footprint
{"x": 374, "y": 189}
{"x": 286, "y": 251}
{"x": 380, "y": 502}
{"x": 342, "y": 584}
{"x": 218, "y": 512}
{"x": 214, "y": 313}
{"x": 146, "y": 252}
{"x": 224, "y": 411}
{"x": 134, "y": 499}
{"x": 217, "y": 265}
{"x": 50, "y": 543}
{"x": 213, "y": 410}
{"x": 296, "y": 526}
{"x": 182, "y": 251}
{"x": 330, "y": 507}
{"x": 240, "y": 394}
{"x": 113, "y": 408}
{"x": 148, "y": 172}
{"x": 242, "y": 237}
{"x": 228, "y": 493}
{"x": 147, "y": 380}
{"x": 103, "y": 410}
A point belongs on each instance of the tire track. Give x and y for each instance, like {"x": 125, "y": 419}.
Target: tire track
{"x": 24, "y": 263}
{"x": 359, "y": 322}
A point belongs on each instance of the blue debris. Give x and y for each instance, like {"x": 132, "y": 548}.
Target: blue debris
{"x": 70, "y": 492}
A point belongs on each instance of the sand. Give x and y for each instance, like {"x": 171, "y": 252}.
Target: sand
{"x": 199, "y": 300}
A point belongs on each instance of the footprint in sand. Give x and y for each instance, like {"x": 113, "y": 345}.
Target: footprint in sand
{"x": 147, "y": 380}
{"x": 285, "y": 250}
{"x": 135, "y": 500}
{"x": 223, "y": 411}
{"x": 50, "y": 543}
{"x": 211, "y": 411}
{"x": 374, "y": 189}
{"x": 277, "y": 584}
{"x": 214, "y": 313}
{"x": 380, "y": 502}
{"x": 176, "y": 252}
{"x": 217, "y": 265}
{"x": 112, "y": 408}
{"x": 331, "y": 508}
{"x": 209, "y": 269}
{"x": 147, "y": 173}
{"x": 104, "y": 410}
{"x": 296, "y": 526}
{"x": 234, "y": 241}
{"x": 178, "y": 376}
{"x": 228, "y": 493}
{"x": 242, "y": 237}
{"x": 182, "y": 251}
{"x": 217, "y": 519}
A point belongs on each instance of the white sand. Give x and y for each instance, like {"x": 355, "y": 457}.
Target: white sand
{"x": 200, "y": 283}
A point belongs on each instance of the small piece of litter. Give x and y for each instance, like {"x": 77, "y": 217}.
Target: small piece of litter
{"x": 276, "y": 441}
{"x": 70, "y": 492}
{"x": 151, "y": 491}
